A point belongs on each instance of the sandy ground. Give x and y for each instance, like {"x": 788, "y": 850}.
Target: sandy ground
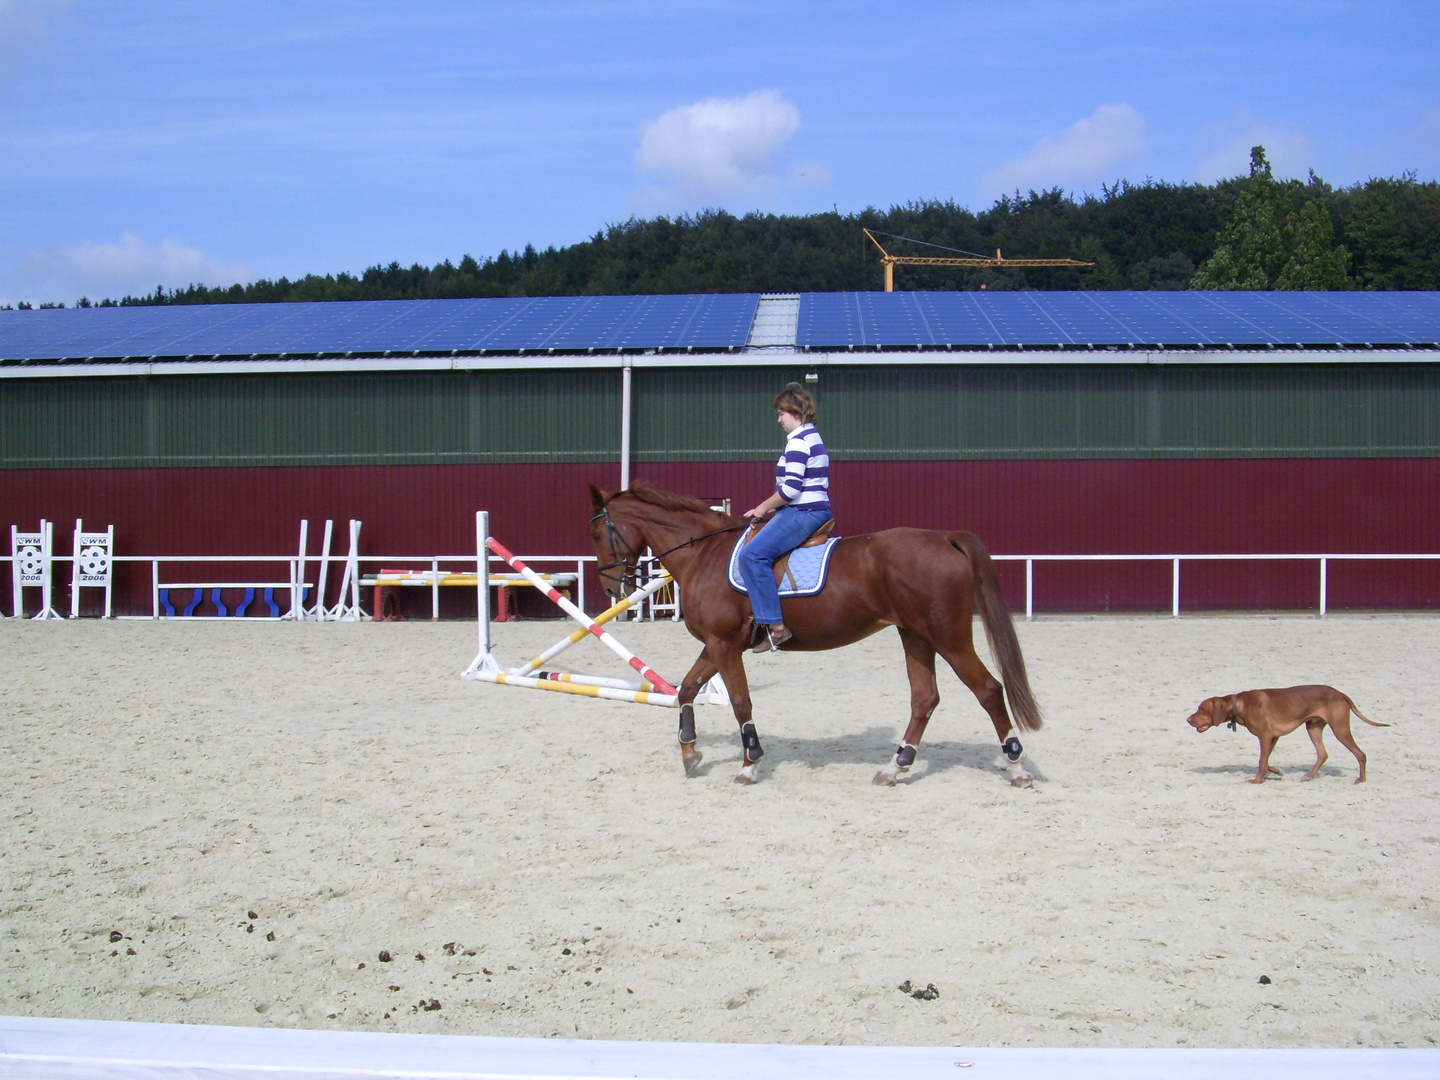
{"x": 226, "y": 824}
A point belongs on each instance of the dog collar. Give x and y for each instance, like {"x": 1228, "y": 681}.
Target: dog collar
{"x": 1234, "y": 712}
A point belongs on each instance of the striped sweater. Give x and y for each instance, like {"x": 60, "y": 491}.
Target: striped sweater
{"x": 802, "y": 475}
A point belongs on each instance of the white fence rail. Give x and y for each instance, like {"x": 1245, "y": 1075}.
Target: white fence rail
{"x": 1323, "y": 562}
{"x": 296, "y": 587}
{"x": 464, "y": 563}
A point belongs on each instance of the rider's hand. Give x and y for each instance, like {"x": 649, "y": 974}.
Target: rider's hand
{"x": 757, "y": 514}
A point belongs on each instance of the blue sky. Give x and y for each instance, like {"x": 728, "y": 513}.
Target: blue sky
{"x": 146, "y": 143}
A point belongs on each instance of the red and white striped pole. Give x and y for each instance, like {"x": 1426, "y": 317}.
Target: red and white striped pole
{"x": 646, "y": 672}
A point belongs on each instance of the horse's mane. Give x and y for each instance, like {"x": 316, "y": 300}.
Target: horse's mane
{"x": 668, "y": 500}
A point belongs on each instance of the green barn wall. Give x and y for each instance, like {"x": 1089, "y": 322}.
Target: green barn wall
{"x": 868, "y": 412}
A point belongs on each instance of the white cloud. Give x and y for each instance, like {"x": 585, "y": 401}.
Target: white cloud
{"x": 1291, "y": 153}
{"x": 720, "y": 148}
{"x": 1090, "y": 149}
{"x": 131, "y": 266}
{"x": 1429, "y": 132}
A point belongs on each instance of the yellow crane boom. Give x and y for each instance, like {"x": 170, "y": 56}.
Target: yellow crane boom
{"x": 892, "y": 261}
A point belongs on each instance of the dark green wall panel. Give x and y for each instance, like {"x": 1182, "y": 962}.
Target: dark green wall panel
{"x": 867, "y": 412}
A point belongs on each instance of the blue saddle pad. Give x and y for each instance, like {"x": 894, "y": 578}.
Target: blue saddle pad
{"x": 808, "y": 566}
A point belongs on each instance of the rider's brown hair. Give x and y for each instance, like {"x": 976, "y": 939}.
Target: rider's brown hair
{"x": 796, "y": 400}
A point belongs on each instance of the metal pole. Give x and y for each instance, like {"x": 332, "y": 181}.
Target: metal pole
{"x": 1029, "y": 588}
{"x": 1175, "y": 590}
{"x": 625, "y": 425}
{"x": 1322, "y": 587}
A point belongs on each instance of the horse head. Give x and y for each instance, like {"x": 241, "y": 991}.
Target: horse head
{"x": 618, "y": 544}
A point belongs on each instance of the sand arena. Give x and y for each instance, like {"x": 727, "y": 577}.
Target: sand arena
{"x": 227, "y": 824}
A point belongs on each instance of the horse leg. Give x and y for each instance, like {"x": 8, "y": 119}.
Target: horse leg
{"x": 727, "y": 658}
{"x": 991, "y": 695}
{"x": 920, "y": 666}
{"x": 702, "y": 670}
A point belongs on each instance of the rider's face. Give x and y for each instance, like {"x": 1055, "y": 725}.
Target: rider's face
{"x": 789, "y": 421}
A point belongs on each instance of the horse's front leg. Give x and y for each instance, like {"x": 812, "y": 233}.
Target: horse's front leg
{"x": 727, "y": 656}
{"x": 700, "y": 673}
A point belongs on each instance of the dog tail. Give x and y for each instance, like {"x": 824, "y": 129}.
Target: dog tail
{"x": 999, "y": 631}
{"x": 1360, "y": 714}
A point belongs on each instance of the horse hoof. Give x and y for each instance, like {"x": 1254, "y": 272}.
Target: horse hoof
{"x": 747, "y": 775}
{"x": 692, "y": 763}
{"x": 884, "y": 779}
{"x": 1024, "y": 780}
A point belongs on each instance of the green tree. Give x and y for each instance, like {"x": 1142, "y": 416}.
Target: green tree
{"x": 1279, "y": 236}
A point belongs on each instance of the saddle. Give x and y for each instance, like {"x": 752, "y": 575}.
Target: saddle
{"x": 782, "y": 564}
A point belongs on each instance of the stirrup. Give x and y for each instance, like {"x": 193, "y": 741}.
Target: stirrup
{"x": 772, "y": 640}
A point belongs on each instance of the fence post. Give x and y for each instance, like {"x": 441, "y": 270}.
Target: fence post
{"x": 1175, "y": 590}
{"x": 1029, "y": 588}
{"x": 154, "y": 588}
{"x": 1323, "y": 561}
{"x": 434, "y": 590}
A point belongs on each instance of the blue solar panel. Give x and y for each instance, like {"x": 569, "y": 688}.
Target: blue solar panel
{"x": 979, "y": 319}
{"x": 826, "y": 321}
{"x": 564, "y": 323}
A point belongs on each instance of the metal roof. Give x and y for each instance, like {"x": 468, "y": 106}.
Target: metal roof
{"x": 725, "y": 327}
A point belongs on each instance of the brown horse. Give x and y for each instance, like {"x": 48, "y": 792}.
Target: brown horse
{"x": 925, "y": 583}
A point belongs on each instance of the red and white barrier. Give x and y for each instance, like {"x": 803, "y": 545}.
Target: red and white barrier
{"x": 650, "y": 689}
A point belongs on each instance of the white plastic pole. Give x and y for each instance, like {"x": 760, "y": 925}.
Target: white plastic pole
{"x": 1029, "y": 588}
{"x": 1323, "y": 561}
{"x": 584, "y": 620}
{"x": 297, "y": 584}
{"x": 1175, "y": 590}
{"x": 605, "y": 616}
{"x": 318, "y": 608}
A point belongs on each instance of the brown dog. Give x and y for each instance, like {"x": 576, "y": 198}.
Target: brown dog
{"x": 1268, "y": 714}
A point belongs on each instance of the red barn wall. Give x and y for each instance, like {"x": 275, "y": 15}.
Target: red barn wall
{"x": 1176, "y": 506}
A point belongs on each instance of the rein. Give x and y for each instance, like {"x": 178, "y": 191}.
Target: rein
{"x": 629, "y": 561}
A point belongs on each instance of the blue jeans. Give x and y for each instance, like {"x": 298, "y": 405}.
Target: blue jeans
{"x": 787, "y": 530}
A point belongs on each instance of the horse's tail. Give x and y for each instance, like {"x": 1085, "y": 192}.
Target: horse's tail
{"x": 999, "y": 630}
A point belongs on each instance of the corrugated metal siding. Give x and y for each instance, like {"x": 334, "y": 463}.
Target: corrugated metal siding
{"x": 310, "y": 419}
{"x": 723, "y": 414}
{"x": 1017, "y": 507}
{"x": 1261, "y": 410}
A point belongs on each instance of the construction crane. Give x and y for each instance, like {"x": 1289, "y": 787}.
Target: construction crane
{"x": 972, "y": 259}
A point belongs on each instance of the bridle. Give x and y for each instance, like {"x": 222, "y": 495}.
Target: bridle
{"x": 629, "y": 561}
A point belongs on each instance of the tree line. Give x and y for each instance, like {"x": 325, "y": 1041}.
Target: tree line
{"x": 1250, "y": 232}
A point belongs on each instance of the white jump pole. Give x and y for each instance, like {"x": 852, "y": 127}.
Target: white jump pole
{"x": 297, "y": 584}
{"x": 584, "y": 620}
{"x": 318, "y": 610}
{"x": 580, "y": 635}
{"x": 484, "y": 666}
{"x": 640, "y": 697}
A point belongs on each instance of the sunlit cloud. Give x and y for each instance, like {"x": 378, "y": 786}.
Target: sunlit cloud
{"x": 1088, "y": 150}
{"x": 1291, "y": 153}
{"x": 721, "y": 148}
{"x": 130, "y": 266}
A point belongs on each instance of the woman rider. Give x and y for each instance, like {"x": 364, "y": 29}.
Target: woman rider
{"x": 802, "y": 503}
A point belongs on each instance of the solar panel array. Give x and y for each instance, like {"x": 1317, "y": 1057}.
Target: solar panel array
{"x": 979, "y": 319}
{"x": 564, "y": 323}
{"x": 715, "y": 322}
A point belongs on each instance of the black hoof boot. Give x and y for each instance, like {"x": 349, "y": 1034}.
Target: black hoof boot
{"x": 687, "y": 723}
{"x": 1013, "y": 750}
{"x": 751, "y": 742}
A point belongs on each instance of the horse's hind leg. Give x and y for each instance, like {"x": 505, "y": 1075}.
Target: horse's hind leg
{"x": 924, "y": 696}
{"x": 700, "y": 673}
{"x": 991, "y": 695}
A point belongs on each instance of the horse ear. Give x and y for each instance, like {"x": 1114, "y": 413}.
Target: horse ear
{"x": 597, "y": 497}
